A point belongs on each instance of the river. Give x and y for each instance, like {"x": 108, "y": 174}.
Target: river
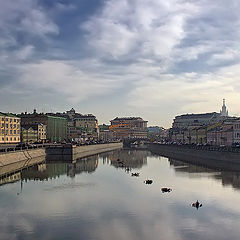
{"x": 97, "y": 198}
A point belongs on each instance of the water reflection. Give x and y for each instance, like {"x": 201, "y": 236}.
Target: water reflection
{"x": 133, "y": 159}
{"x": 48, "y": 170}
{"x": 197, "y": 171}
{"x": 94, "y": 199}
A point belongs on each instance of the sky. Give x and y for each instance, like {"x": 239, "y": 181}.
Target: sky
{"x": 150, "y": 58}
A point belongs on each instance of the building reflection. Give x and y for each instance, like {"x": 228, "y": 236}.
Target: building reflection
{"x": 55, "y": 170}
{"x": 45, "y": 171}
{"x": 133, "y": 159}
{"x": 227, "y": 178}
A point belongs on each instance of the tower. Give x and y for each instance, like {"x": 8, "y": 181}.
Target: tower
{"x": 224, "y": 111}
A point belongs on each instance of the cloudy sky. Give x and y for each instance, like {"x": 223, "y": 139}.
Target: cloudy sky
{"x": 149, "y": 58}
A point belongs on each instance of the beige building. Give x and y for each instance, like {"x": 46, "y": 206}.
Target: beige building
{"x": 33, "y": 133}
{"x": 80, "y": 126}
{"x": 129, "y": 128}
{"x": 9, "y": 128}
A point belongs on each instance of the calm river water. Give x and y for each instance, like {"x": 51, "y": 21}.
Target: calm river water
{"x": 97, "y": 198}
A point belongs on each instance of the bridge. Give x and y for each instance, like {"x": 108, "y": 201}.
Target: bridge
{"x": 130, "y": 142}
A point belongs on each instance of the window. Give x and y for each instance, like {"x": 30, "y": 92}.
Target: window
{"x": 10, "y": 139}
{"x": 14, "y": 125}
{"x": 14, "y": 139}
{"x": 7, "y": 138}
{"x": 6, "y": 125}
{"x": 14, "y": 131}
{"x": 15, "y": 120}
{"x": 11, "y": 131}
{"x": 10, "y": 125}
{"x": 18, "y": 131}
{"x": 10, "y": 119}
{"x": 6, "y": 131}
{"x": 2, "y": 131}
{"x": 6, "y": 120}
{"x": 2, "y": 138}
{"x": 2, "y": 125}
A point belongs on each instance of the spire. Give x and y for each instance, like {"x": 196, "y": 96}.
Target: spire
{"x": 224, "y": 111}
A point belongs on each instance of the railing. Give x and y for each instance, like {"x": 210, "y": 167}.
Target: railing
{"x": 203, "y": 147}
{"x": 15, "y": 149}
{"x": 37, "y": 146}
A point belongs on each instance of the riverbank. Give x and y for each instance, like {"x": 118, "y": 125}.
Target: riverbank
{"x": 14, "y": 161}
{"x": 207, "y": 157}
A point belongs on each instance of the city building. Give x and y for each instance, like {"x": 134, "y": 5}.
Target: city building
{"x": 221, "y": 135}
{"x": 186, "y": 120}
{"x": 128, "y": 127}
{"x": 56, "y": 126}
{"x": 236, "y": 131}
{"x": 104, "y": 133}
{"x": 156, "y": 133}
{"x": 79, "y": 126}
{"x": 9, "y": 128}
{"x": 33, "y": 133}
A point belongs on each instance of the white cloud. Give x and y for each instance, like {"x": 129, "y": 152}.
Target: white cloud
{"x": 66, "y": 78}
{"x": 144, "y": 28}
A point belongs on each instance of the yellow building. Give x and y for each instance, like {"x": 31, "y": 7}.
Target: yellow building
{"x": 9, "y": 128}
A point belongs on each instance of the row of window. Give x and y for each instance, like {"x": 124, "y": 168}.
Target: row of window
{"x": 10, "y": 120}
{"x": 10, "y": 138}
{"x": 84, "y": 119}
{"x": 237, "y": 135}
{"x": 10, "y": 131}
{"x": 237, "y": 126}
{"x": 10, "y": 125}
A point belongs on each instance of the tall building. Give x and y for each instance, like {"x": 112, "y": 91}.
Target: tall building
{"x": 9, "y": 128}
{"x": 56, "y": 126}
{"x": 224, "y": 112}
{"x": 129, "y": 127}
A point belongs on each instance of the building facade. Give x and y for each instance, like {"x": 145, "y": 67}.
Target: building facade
{"x": 9, "y": 128}
{"x": 56, "y": 127}
{"x": 236, "y": 132}
{"x": 34, "y": 133}
{"x": 128, "y": 128}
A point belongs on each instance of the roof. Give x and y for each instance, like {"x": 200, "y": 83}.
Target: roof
{"x": 8, "y": 115}
{"x": 84, "y": 116}
{"x": 198, "y": 115}
{"x": 128, "y": 118}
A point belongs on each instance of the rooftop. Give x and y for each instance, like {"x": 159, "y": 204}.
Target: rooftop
{"x": 198, "y": 115}
{"x": 127, "y": 118}
{"x": 8, "y": 115}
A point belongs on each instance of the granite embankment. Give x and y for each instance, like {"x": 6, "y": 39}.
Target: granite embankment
{"x": 209, "y": 157}
{"x": 72, "y": 153}
{"x": 13, "y": 161}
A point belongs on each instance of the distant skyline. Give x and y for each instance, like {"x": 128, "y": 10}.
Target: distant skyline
{"x": 150, "y": 58}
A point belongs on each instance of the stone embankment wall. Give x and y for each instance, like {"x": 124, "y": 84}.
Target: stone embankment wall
{"x": 214, "y": 159}
{"x": 13, "y": 161}
{"x": 72, "y": 153}
{"x": 85, "y": 151}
